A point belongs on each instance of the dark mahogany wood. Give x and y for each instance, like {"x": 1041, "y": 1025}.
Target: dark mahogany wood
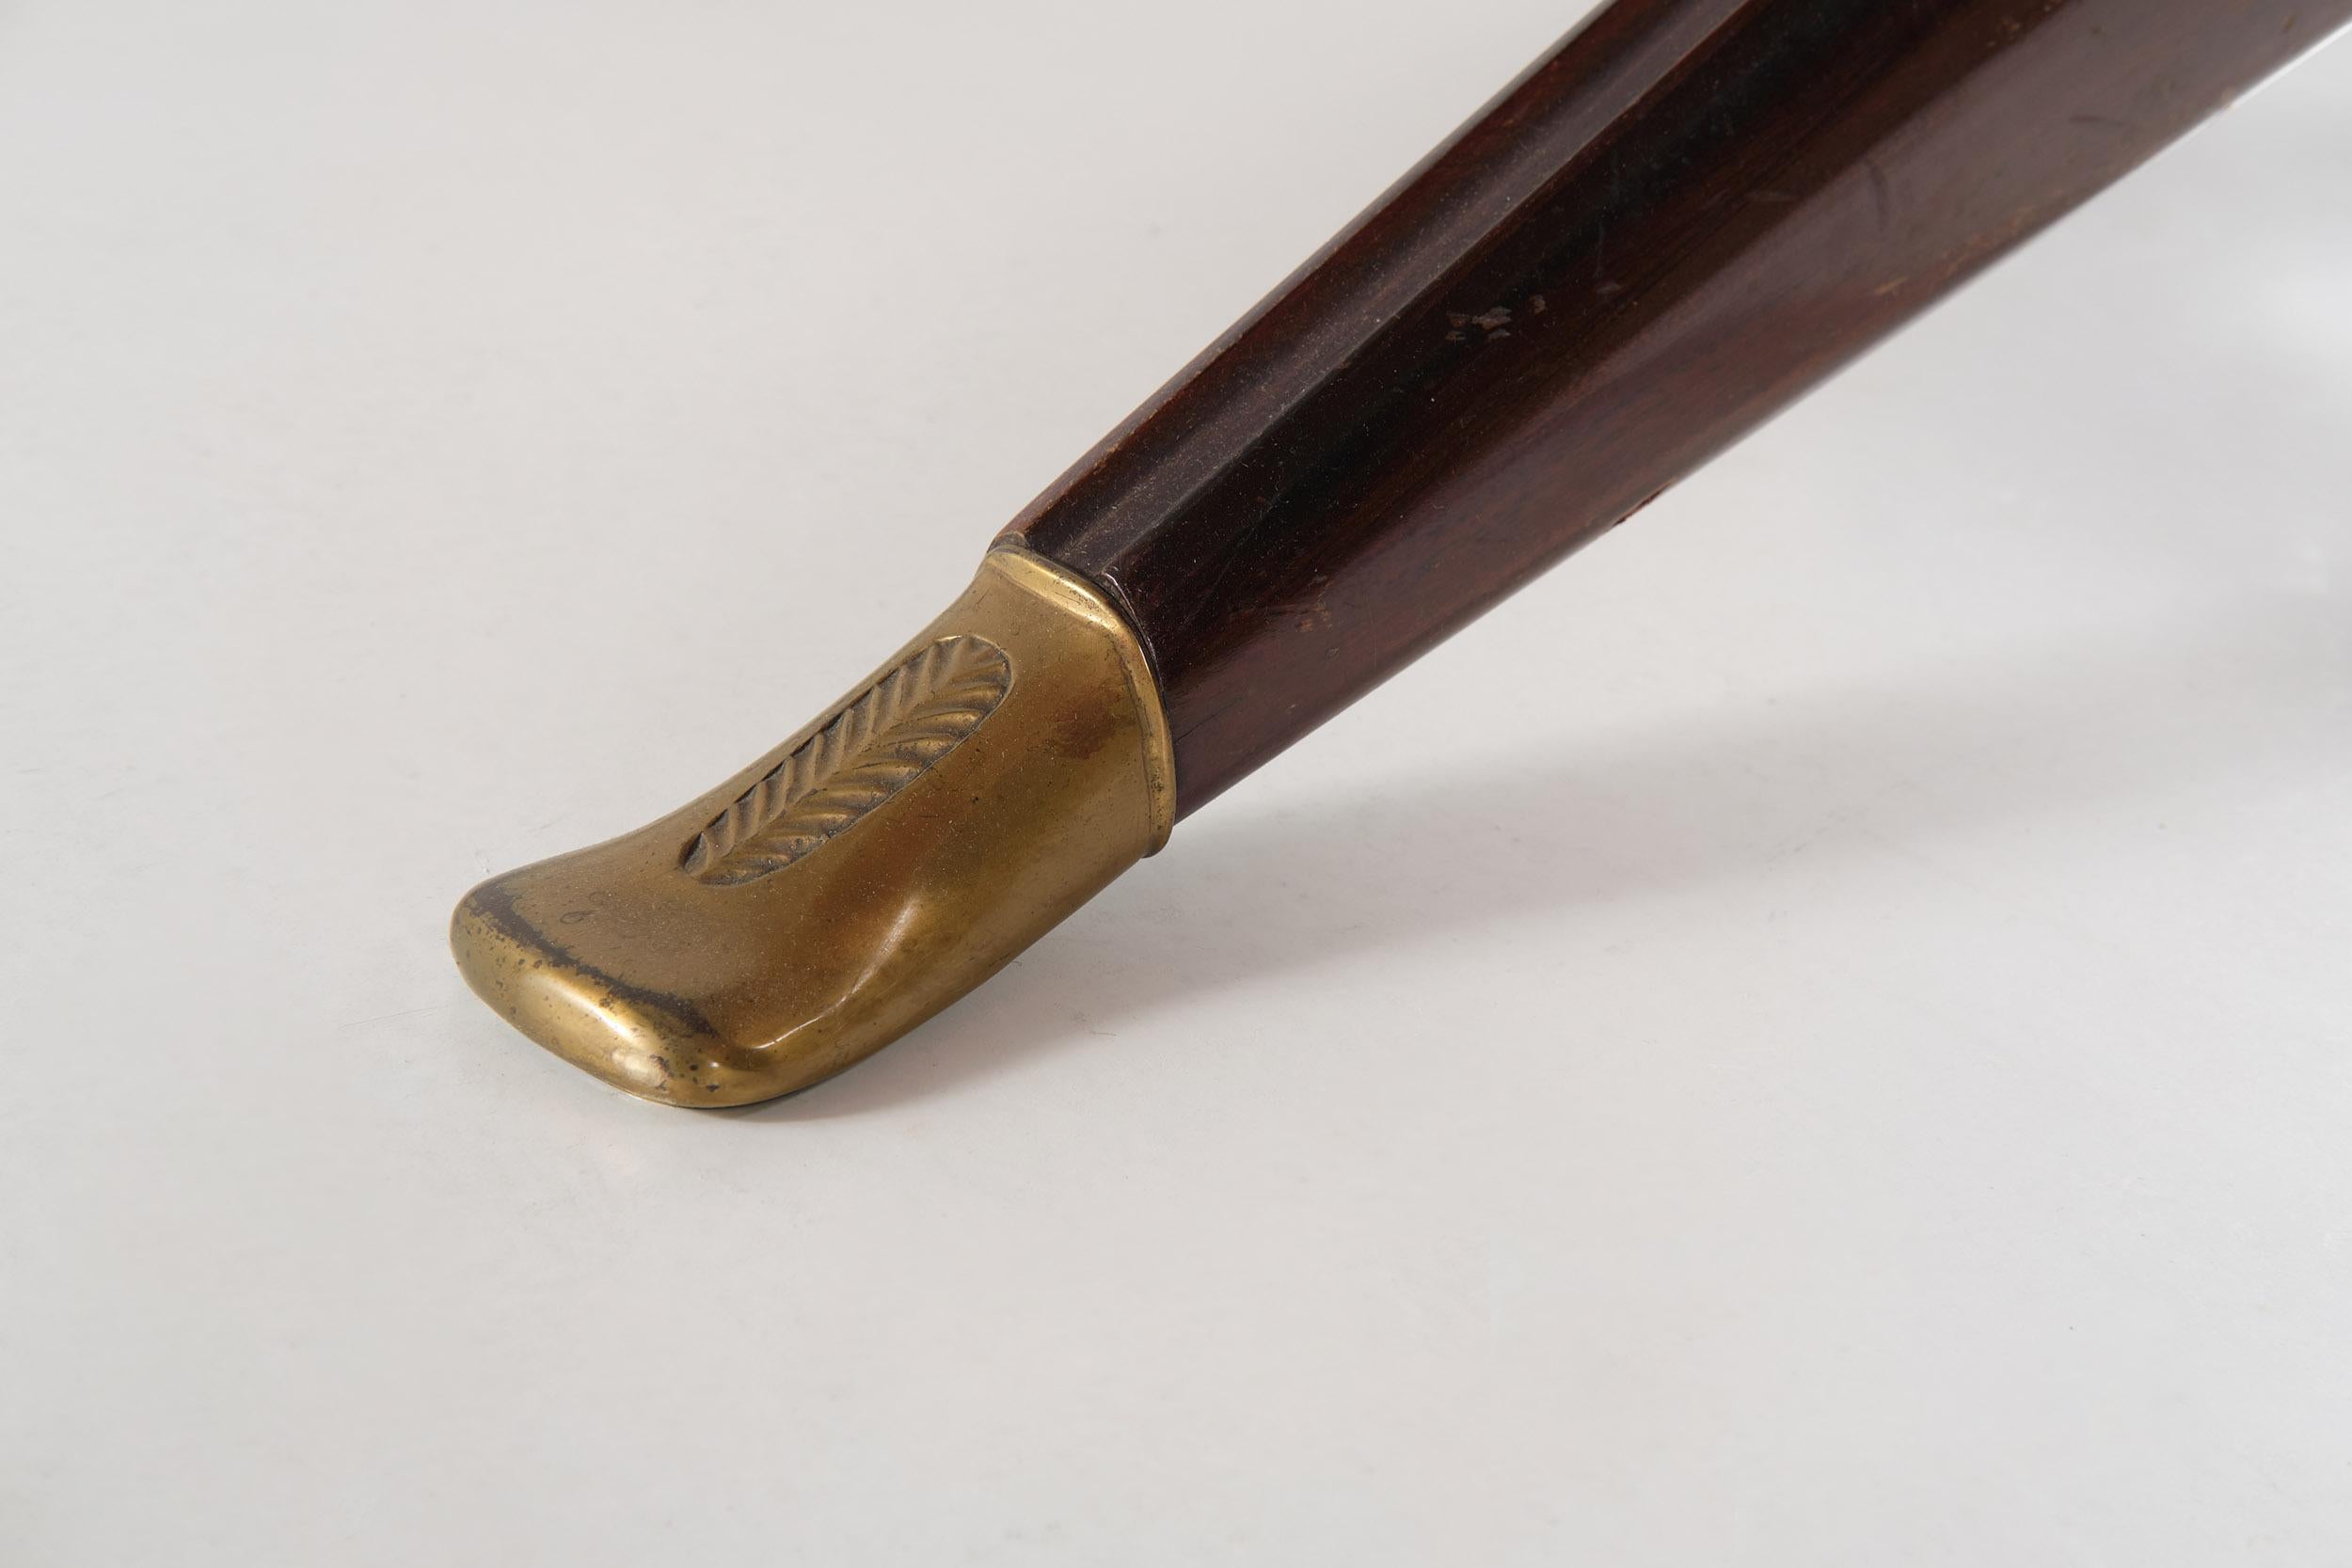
{"x": 1687, "y": 215}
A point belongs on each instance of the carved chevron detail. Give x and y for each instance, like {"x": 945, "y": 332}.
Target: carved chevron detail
{"x": 876, "y": 746}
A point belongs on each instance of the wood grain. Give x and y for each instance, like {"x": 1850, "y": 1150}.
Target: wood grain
{"x": 1670, "y": 228}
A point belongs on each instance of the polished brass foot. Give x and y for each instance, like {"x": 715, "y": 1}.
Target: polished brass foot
{"x": 997, "y": 772}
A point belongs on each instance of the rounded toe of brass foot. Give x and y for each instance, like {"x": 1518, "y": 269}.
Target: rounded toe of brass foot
{"x": 660, "y": 1048}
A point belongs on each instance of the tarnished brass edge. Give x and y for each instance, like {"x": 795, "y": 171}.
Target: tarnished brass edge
{"x": 1056, "y": 582}
{"x": 928, "y": 879}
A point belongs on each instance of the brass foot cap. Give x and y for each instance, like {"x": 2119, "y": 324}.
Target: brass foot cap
{"x": 1000, "y": 771}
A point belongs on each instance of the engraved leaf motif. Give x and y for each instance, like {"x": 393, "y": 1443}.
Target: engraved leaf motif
{"x": 881, "y": 742}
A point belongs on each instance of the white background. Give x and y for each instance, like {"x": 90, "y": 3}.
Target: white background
{"x": 1820, "y": 1033}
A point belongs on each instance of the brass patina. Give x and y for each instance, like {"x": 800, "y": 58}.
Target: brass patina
{"x": 996, "y": 773}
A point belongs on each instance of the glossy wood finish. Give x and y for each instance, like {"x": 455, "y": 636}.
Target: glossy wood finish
{"x": 1674, "y": 225}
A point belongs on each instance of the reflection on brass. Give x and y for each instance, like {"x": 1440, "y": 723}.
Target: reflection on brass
{"x": 989, "y": 778}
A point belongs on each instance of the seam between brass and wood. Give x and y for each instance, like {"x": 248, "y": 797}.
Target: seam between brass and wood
{"x": 1082, "y": 598}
